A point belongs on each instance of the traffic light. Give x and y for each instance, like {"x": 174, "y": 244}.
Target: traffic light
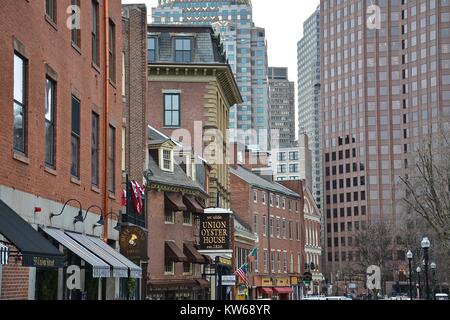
{"x": 313, "y": 266}
{"x": 306, "y": 265}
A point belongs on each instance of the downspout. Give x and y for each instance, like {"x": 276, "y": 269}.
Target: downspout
{"x": 106, "y": 128}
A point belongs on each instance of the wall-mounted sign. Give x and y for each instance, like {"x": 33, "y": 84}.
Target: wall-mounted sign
{"x": 133, "y": 243}
{"x": 228, "y": 280}
{"x": 215, "y": 232}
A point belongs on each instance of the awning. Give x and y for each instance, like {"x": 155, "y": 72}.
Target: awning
{"x": 267, "y": 291}
{"x": 208, "y": 259}
{"x": 193, "y": 205}
{"x": 176, "y": 201}
{"x": 203, "y": 283}
{"x": 282, "y": 290}
{"x": 135, "y": 271}
{"x": 100, "y": 269}
{"x": 35, "y": 249}
{"x": 3, "y": 254}
{"x": 173, "y": 253}
{"x": 119, "y": 270}
{"x": 192, "y": 254}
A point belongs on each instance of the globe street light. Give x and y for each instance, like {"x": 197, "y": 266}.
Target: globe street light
{"x": 418, "y": 270}
{"x": 426, "y": 246}
{"x": 433, "y": 272}
{"x": 409, "y": 256}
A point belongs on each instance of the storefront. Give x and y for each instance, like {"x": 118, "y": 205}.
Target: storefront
{"x": 178, "y": 289}
{"x": 274, "y": 288}
{"x": 91, "y": 271}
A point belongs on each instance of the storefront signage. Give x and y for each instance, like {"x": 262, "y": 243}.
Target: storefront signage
{"x": 228, "y": 280}
{"x": 74, "y": 278}
{"x": 224, "y": 262}
{"x": 215, "y": 232}
{"x": 275, "y": 282}
{"x": 43, "y": 262}
{"x": 133, "y": 243}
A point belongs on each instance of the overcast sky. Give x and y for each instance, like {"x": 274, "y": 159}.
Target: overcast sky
{"x": 283, "y": 21}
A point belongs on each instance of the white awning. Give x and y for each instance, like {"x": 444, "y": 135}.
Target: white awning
{"x": 119, "y": 269}
{"x": 4, "y": 252}
{"x": 100, "y": 268}
{"x": 135, "y": 271}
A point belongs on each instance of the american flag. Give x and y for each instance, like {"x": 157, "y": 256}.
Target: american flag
{"x": 242, "y": 273}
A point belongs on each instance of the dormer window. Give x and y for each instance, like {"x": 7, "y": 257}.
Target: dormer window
{"x": 166, "y": 159}
{"x": 183, "y": 50}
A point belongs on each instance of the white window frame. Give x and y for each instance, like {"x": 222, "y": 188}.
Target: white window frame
{"x": 161, "y": 159}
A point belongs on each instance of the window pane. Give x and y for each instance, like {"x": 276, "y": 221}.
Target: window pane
{"x": 187, "y": 56}
{"x": 179, "y": 44}
{"x": 175, "y": 102}
{"x": 168, "y": 118}
{"x": 94, "y": 150}
{"x": 49, "y": 100}
{"x": 49, "y": 144}
{"x": 175, "y": 118}
{"x": 19, "y": 66}
{"x": 112, "y": 162}
{"x": 75, "y": 143}
{"x": 151, "y": 44}
{"x": 167, "y": 102}
{"x": 75, "y": 116}
{"x": 19, "y": 128}
{"x": 186, "y": 44}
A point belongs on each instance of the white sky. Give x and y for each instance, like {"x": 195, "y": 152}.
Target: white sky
{"x": 283, "y": 21}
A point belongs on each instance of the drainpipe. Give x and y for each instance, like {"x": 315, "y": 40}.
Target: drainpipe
{"x": 106, "y": 128}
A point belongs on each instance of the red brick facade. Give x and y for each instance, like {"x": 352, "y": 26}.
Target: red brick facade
{"x": 47, "y": 48}
{"x": 286, "y": 247}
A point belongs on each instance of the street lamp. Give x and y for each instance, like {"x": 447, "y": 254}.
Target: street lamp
{"x": 433, "y": 272}
{"x": 418, "y": 270}
{"x": 409, "y": 256}
{"x": 426, "y": 246}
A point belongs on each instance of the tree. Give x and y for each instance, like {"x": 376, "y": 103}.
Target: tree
{"x": 428, "y": 185}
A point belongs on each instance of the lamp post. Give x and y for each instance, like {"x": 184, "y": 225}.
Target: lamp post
{"x": 426, "y": 246}
{"x": 418, "y": 270}
{"x": 409, "y": 256}
{"x": 433, "y": 273}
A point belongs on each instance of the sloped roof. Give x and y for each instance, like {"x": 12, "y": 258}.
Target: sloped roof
{"x": 256, "y": 181}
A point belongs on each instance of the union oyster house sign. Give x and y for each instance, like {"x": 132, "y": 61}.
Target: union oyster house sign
{"x": 215, "y": 230}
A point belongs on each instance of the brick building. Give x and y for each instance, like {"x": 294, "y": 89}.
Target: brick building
{"x": 60, "y": 148}
{"x": 191, "y": 89}
{"x": 275, "y": 213}
{"x": 134, "y": 128}
{"x": 313, "y": 243}
{"x": 175, "y": 201}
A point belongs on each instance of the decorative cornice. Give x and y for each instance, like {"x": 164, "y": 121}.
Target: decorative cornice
{"x": 222, "y": 72}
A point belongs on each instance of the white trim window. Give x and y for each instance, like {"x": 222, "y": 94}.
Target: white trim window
{"x": 255, "y": 196}
{"x": 169, "y": 268}
{"x": 166, "y": 159}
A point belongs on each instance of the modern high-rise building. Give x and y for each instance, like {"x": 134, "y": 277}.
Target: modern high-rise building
{"x": 385, "y": 88}
{"x": 282, "y": 108}
{"x": 309, "y": 106}
{"x": 246, "y": 48}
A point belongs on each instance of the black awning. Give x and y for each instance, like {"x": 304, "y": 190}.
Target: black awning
{"x": 192, "y": 254}
{"x": 193, "y": 205}
{"x": 35, "y": 249}
{"x": 176, "y": 201}
{"x": 173, "y": 253}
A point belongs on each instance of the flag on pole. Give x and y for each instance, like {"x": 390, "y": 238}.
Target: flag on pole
{"x": 242, "y": 274}
{"x": 252, "y": 255}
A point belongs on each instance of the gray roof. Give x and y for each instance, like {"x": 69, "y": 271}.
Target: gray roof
{"x": 177, "y": 178}
{"x": 256, "y": 181}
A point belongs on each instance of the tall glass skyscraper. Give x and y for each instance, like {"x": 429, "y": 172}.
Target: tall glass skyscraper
{"x": 246, "y": 48}
{"x": 309, "y": 106}
{"x": 385, "y": 89}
